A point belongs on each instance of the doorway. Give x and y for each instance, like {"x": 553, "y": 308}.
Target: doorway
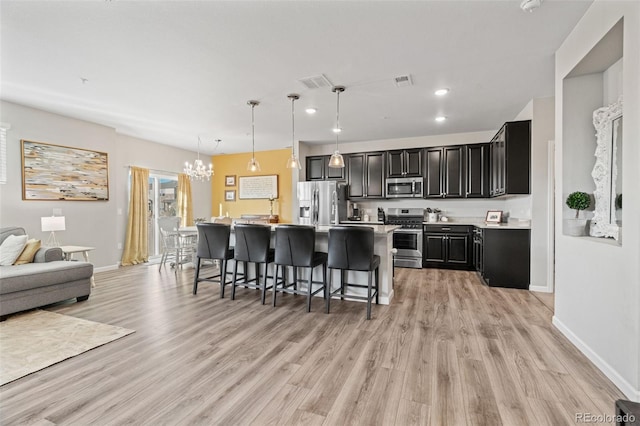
{"x": 162, "y": 203}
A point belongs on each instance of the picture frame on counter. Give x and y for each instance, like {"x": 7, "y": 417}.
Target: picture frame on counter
{"x": 493, "y": 216}
{"x": 230, "y": 195}
{"x": 230, "y": 180}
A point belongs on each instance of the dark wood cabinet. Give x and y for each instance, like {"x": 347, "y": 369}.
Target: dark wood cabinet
{"x": 511, "y": 159}
{"x": 445, "y": 172}
{"x": 366, "y": 175}
{"x": 478, "y": 250}
{"x": 447, "y": 247}
{"x": 433, "y": 175}
{"x": 355, "y": 175}
{"x": 506, "y": 256}
{"x": 502, "y": 166}
{"x": 478, "y": 162}
{"x": 404, "y": 163}
{"x": 317, "y": 168}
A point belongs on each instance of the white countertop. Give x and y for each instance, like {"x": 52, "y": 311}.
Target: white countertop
{"x": 361, "y": 222}
{"x": 480, "y": 223}
{"x": 377, "y": 229}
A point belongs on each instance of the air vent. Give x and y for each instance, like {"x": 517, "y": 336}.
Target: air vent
{"x": 315, "y": 82}
{"x": 403, "y": 80}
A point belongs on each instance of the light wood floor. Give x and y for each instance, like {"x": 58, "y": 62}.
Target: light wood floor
{"x": 448, "y": 351}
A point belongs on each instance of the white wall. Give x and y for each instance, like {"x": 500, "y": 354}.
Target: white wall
{"x": 582, "y": 95}
{"x": 612, "y": 83}
{"x": 597, "y": 301}
{"x": 91, "y": 223}
{"x": 542, "y": 131}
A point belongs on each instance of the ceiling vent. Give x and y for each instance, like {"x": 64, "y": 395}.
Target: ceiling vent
{"x": 315, "y": 82}
{"x": 403, "y": 80}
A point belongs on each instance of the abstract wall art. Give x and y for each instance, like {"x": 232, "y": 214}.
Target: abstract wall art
{"x": 62, "y": 173}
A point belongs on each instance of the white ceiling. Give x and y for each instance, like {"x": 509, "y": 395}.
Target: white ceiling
{"x": 169, "y": 71}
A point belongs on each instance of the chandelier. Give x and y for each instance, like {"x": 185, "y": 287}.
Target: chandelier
{"x": 197, "y": 170}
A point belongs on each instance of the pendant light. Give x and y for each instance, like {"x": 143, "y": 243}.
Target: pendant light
{"x": 253, "y": 165}
{"x": 336, "y": 161}
{"x": 293, "y": 162}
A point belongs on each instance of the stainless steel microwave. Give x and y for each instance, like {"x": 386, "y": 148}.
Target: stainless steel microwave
{"x": 405, "y": 187}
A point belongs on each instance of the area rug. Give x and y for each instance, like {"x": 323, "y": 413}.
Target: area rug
{"x": 38, "y": 339}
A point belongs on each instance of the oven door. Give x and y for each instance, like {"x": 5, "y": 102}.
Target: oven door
{"x": 408, "y": 243}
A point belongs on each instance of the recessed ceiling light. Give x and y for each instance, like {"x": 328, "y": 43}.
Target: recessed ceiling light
{"x": 311, "y": 110}
{"x": 440, "y": 118}
{"x": 337, "y": 130}
{"x": 441, "y": 92}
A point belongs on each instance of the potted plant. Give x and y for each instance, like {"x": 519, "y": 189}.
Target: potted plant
{"x": 577, "y": 201}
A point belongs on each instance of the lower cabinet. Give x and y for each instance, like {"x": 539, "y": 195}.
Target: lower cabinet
{"x": 447, "y": 247}
{"x": 500, "y": 256}
{"x": 506, "y": 257}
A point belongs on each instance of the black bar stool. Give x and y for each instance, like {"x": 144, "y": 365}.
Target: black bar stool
{"x": 252, "y": 246}
{"x": 295, "y": 247}
{"x": 213, "y": 244}
{"x": 351, "y": 249}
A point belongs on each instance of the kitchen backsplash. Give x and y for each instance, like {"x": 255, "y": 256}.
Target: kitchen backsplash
{"x": 518, "y": 206}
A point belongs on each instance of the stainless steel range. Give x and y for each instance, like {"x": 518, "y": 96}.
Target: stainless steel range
{"x": 408, "y": 239}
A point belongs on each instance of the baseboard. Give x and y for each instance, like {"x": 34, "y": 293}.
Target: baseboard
{"x": 106, "y": 268}
{"x": 622, "y": 384}
{"x": 540, "y": 289}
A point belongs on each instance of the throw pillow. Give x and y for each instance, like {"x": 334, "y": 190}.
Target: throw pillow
{"x": 29, "y": 252}
{"x": 11, "y": 248}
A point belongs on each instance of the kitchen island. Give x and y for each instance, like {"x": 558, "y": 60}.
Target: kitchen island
{"x": 383, "y": 243}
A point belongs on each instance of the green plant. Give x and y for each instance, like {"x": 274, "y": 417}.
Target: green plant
{"x": 578, "y": 201}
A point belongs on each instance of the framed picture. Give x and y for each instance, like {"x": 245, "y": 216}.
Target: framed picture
{"x": 493, "y": 216}
{"x": 230, "y": 180}
{"x": 230, "y": 195}
{"x": 62, "y": 173}
{"x": 258, "y": 187}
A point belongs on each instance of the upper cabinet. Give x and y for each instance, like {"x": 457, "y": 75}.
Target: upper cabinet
{"x": 478, "y": 161}
{"x": 482, "y": 170}
{"x": 445, "y": 172}
{"x": 404, "y": 163}
{"x": 366, "y": 174}
{"x": 511, "y": 159}
{"x": 317, "y": 168}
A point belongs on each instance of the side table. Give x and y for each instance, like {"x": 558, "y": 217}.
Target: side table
{"x": 68, "y": 251}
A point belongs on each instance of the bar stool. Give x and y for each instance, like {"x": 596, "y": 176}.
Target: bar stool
{"x": 213, "y": 244}
{"x": 295, "y": 247}
{"x": 351, "y": 249}
{"x": 252, "y": 246}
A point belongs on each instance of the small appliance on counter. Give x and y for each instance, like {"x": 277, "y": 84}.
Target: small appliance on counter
{"x": 355, "y": 213}
{"x": 381, "y": 217}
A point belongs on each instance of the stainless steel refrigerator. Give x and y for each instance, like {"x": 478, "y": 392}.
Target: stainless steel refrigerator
{"x": 322, "y": 202}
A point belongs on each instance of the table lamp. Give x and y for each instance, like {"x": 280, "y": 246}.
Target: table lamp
{"x": 52, "y": 224}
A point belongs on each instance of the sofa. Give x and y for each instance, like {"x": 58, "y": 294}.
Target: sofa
{"x": 48, "y": 279}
